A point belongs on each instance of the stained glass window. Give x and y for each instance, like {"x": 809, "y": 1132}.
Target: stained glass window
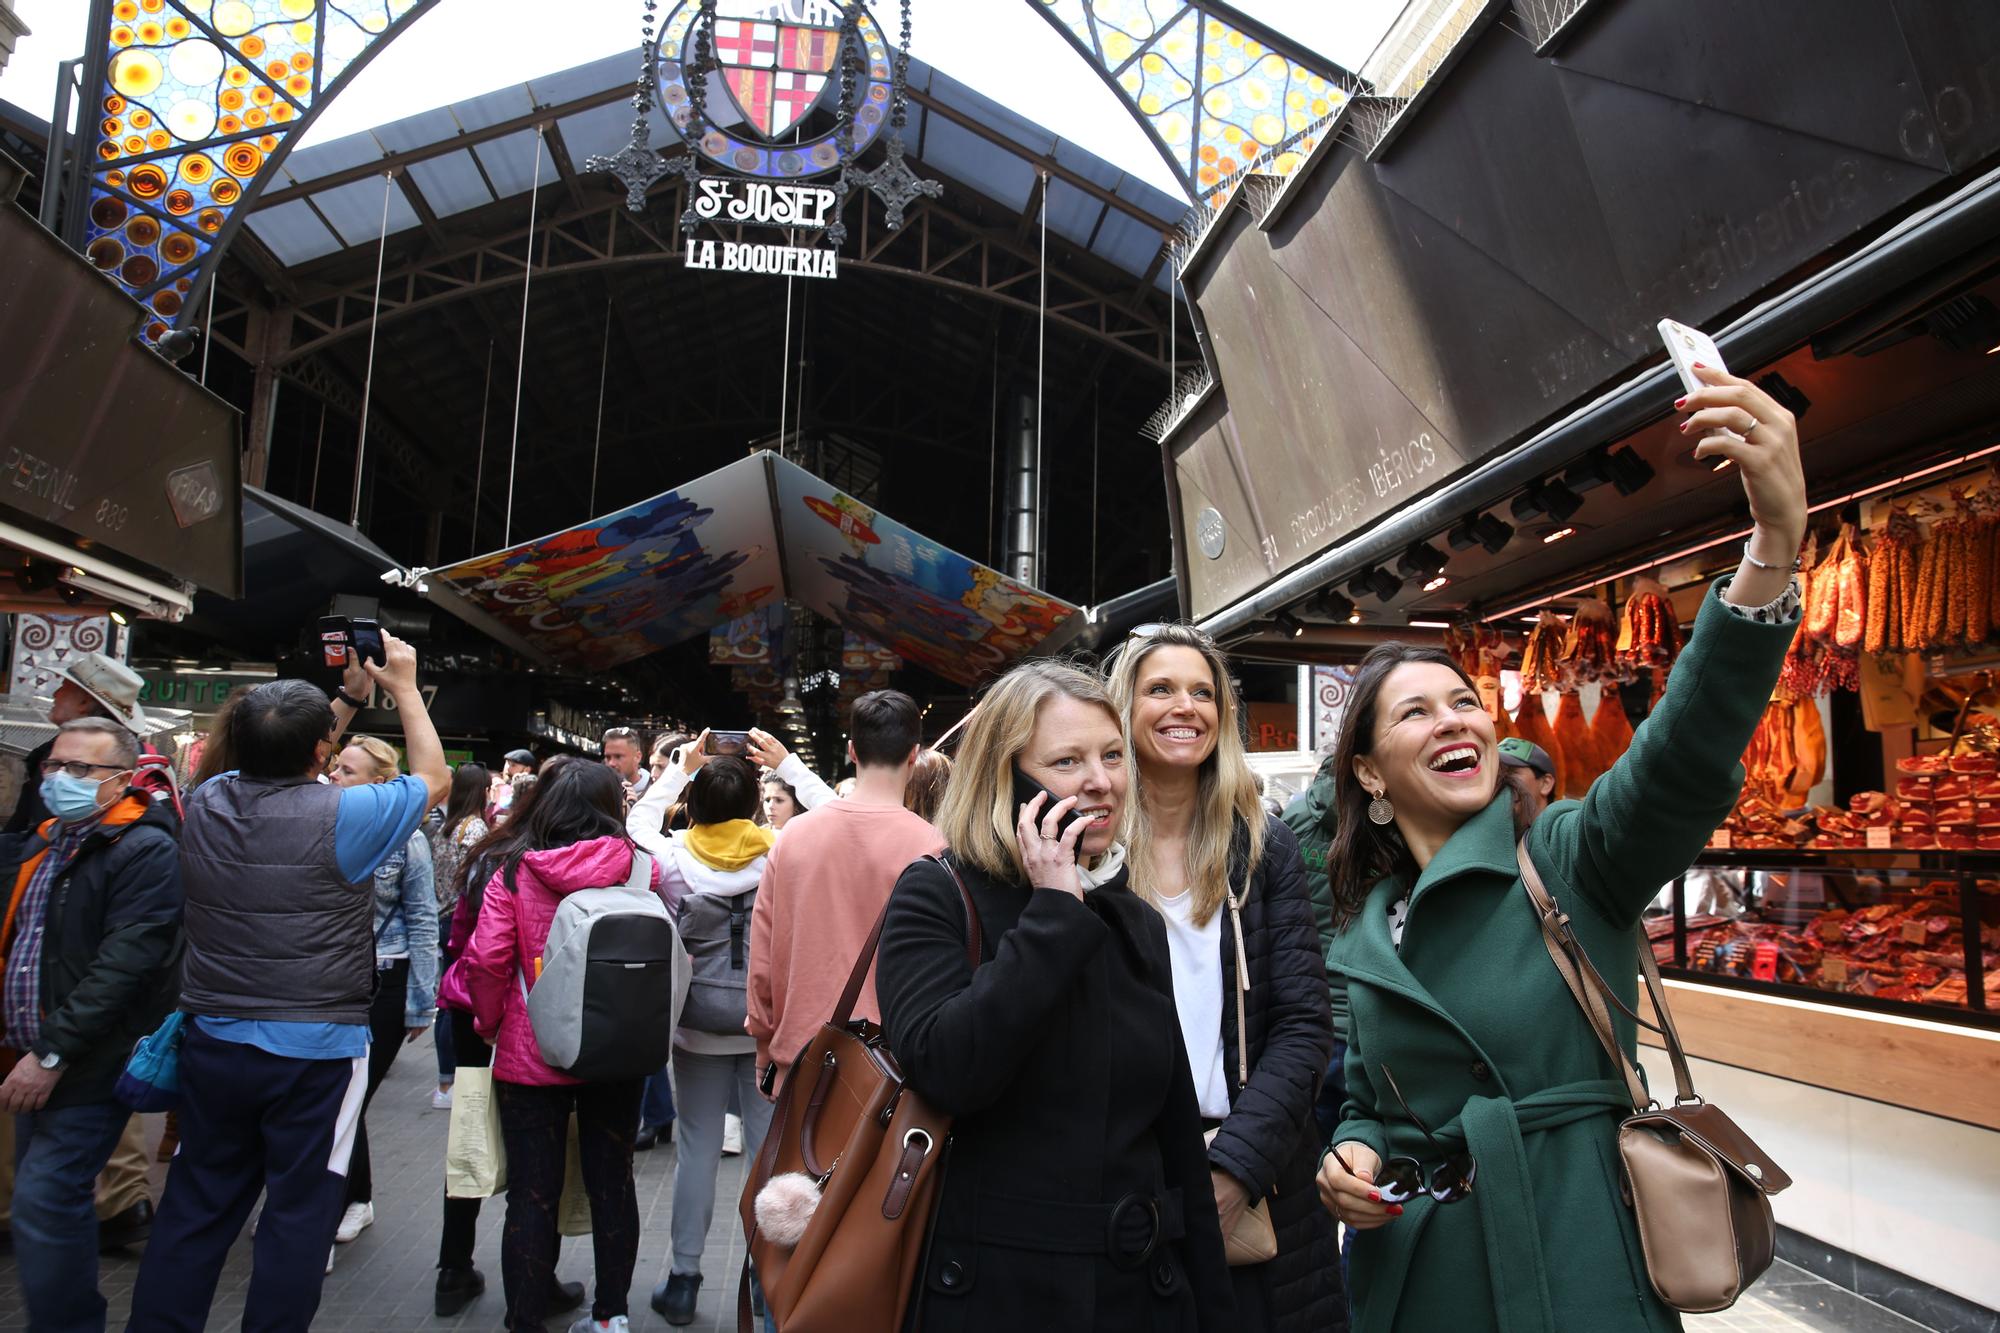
{"x": 200, "y": 101}
{"x": 1214, "y": 98}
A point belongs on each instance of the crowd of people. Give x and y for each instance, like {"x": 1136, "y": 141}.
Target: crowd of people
{"x": 1185, "y": 1041}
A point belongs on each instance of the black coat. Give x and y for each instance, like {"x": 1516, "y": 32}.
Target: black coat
{"x": 1061, "y": 1061}
{"x": 110, "y": 945}
{"x": 1270, "y": 1141}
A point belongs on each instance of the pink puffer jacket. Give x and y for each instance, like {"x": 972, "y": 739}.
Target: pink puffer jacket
{"x": 509, "y": 937}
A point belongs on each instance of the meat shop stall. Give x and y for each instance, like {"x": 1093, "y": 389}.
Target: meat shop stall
{"x": 1359, "y": 461}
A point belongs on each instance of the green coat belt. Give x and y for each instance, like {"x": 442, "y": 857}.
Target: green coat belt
{"x": 1476, "y": 1026}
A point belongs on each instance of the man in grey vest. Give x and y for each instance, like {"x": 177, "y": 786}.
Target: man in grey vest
{"x": 280, "y": 965}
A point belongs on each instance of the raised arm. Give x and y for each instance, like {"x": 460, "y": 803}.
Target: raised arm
{"x": 1645, "y": 821}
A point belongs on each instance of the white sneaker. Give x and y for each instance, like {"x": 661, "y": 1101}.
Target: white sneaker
{"x": 357, "y": 1219}
{"x": 329, "y": 1258}
{"x": 732, "y": 1136}
{"x": 618, "y": 1323}
{"x": 441, "y": 1100}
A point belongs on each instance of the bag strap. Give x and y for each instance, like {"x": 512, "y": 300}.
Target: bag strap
{"x": 1590, "y": 990}
{"x": 975, "y": 945}
{"x": 642, "y": 870}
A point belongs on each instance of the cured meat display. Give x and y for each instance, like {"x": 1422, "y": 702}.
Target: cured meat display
{"x": 1894, "y": 935}
{"x": 1934, "y": 588}
{"x": 1610, "y": 729}
{"x": 1787, "y": 754}
{"x": 1826, "y": 652}
{"x": 1580, "y": 762}
{"x": 1531, "y": 723}
{"x": 1590, "y": 648}
{"x": 1649, "y": 633}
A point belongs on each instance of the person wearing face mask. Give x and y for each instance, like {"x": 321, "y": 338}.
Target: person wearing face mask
{"x": 279, "y": 872}
{"x": 91, "y": 934}
{"x": 1078, "y": 1196}
{"x": 92, "y": 685}
{"x": 1476, "y": 1156}
{"x": 1249, "y": 977}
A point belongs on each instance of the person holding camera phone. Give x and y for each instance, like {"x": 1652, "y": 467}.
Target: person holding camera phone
{"x": 278, "y": 871}
{"x": 1078, "y": 1195}
{"x": 1476, "y": 1156}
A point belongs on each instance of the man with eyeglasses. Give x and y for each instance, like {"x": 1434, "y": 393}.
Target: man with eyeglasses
{"x": 91, "y": 935}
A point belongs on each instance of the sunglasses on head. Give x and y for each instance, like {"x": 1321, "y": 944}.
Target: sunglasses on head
{"x": 1402, "y": 1179}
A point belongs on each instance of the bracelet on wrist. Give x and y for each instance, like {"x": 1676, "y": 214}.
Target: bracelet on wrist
{"x": 1793, "y": 568}
{"x": 343, "y": 696}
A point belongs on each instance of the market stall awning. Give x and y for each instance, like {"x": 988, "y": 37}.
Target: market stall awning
{"x": 294, "y": 561}
{"x": 662, "y": 571}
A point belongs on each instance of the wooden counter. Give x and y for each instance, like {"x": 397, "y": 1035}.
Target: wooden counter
{"x": 1923, "y": 1066}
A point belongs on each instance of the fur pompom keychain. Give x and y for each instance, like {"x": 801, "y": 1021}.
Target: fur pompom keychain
{"x": 785, "y": 1207}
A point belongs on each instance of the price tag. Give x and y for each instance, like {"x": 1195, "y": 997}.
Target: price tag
{"x": 1829, "y": 931}
{"x": 1719, "y": 840}
{"x": 1881, "y": 839}
{"x": 1914, "y": 932}
{"x": 1833, "y": 971}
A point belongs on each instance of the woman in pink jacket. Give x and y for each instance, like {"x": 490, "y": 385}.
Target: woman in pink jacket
{"x": 573, "y": 838}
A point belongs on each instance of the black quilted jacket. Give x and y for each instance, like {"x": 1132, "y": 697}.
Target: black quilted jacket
{"x": 1269, "y": 1141}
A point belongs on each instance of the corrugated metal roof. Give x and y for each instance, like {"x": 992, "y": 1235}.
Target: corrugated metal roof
{"x": 452, "y": 182}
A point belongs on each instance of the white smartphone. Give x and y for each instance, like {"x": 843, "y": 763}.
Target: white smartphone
{"x": 1687, "y": 346}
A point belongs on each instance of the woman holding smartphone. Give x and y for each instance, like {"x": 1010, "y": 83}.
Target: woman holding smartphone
{"x": 1249, "y": 979}
{"x": 1476, "y": 1155}
{"x": 1078, "y": 1195}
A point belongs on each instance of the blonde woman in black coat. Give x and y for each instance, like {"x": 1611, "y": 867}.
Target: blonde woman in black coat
{"x": 1249, "y": 981}
{"x": 1076, "y": 1197}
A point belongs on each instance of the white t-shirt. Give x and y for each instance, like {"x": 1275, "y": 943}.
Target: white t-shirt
{"x": 1197, "y": 958}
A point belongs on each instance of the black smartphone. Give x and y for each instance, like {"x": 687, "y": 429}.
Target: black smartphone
{"x": 770, "y": 1078}
{"x": 727, "y": 742}
{"x": 366, "y": 636}
{"x": 1026, "y": 789}
{"x": 336, "y": 634}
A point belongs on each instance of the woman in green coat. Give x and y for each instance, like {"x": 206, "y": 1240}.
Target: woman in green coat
{"x": 1458, "y": 1019}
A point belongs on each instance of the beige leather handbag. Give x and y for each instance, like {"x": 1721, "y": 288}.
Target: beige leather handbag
{"x": 1701, "y": 1190}
{"x": 1253, "y": 1240}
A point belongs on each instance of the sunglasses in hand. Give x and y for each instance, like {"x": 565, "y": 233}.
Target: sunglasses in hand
{"x": 1402, "y": 1179}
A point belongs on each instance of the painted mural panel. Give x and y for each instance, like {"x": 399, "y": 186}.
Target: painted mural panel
{"x": 639, "y": 580}
{"x": 921, "y": 601}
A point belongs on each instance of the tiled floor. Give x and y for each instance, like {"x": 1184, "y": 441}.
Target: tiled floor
{"x": 383, "y": 1281}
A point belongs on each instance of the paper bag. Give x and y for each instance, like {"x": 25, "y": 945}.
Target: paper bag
{"x": 475, "y": 1157}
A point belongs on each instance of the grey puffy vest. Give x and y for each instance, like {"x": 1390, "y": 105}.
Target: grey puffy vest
{"x": 274, "y": 931}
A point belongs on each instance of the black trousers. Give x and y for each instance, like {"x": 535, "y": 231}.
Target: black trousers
{"x": 251, "y": 1122}
{"x": 387, "y": 1026}
{"x": 534, "y": 1123}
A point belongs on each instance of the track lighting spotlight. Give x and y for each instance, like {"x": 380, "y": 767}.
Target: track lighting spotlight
{"x": 1289, "y": 625}
{"x": 1330, "y": 606}
{"x": 1376, "y": 580}
{"x": 1550, "y": 498}
{"x": 1629, "y": 472}
{"x": 1422, "y": 561}
{"x": 1481, "y": 530}
{"x": 1786, "y": 394}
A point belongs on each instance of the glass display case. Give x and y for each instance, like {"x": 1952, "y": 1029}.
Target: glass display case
{"x": 1912, "y": 933}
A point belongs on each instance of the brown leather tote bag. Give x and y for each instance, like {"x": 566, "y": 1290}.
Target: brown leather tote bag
{"x": 1700, "y": 1189}
{"x": 846, "y": 1119}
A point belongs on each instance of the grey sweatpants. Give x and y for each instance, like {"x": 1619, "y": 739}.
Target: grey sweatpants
{"x": 702, "y": 1084}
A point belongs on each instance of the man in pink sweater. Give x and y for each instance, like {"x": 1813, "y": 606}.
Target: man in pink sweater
{"x": 826, "y": 881}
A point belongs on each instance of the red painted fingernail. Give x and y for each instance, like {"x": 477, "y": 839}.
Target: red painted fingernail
{"x": 1699, "y": 366}
{"x": 1685, "y": 425}
{"x": 1680, "y": 403}
{"x": 1374, "y": 1196}
{"x": 1395, "y": 1210}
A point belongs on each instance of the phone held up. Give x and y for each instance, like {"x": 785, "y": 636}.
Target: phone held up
{"x": 1689, "y": 347}
{"x": 340, "y": 634}
{"x": 1026, "y": 789}
{"x": 727, "y": 742}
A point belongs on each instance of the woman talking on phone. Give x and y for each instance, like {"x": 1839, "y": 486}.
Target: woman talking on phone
{"x": 1467, "y": 1054}
{"x": 1249, "y": 978}
{"x": 1078, "y": 1195}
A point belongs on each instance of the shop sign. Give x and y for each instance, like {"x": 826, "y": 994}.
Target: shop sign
{"x": 764, "y": 204}
{"x": 196, "y": 691}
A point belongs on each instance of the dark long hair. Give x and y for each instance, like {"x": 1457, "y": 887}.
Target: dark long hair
{"x": 484, "y": 857}
{"x": 216, "y": 756}
{"x": 1364, "y": 854}
{"x": 469, "y": 786}
{"x": 575, "y": 801}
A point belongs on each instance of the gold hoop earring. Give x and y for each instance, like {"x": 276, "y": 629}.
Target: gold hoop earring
{"x": 1380, "y": 811}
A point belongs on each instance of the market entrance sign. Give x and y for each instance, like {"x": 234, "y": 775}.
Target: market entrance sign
{"x": 762, "y": 204}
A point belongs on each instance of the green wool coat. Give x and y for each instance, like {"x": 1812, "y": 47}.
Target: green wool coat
{"x": 1491, "y": 1050}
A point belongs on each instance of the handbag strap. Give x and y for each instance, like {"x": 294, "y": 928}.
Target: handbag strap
{"x": 1590, "y": 989}
{"x": 975, "y": 944}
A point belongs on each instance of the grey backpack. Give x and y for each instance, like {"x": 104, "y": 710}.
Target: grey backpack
{"x": 716, "y": 931}
{"x": 614, "y": 976}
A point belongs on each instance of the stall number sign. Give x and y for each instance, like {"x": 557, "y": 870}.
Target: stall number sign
{"x": 764, "y": 204}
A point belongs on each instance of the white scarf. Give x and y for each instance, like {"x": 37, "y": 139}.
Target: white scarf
{"x": 1106, "y": 870}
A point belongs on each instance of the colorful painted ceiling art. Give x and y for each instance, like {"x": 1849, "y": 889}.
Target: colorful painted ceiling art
{"x": 201, "y": 99}
{"x": 1214, "y": 99}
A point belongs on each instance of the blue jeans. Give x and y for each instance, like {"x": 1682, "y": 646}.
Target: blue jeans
{"x": 441, "y": 1030}
{"x": 57, "y": 1157}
